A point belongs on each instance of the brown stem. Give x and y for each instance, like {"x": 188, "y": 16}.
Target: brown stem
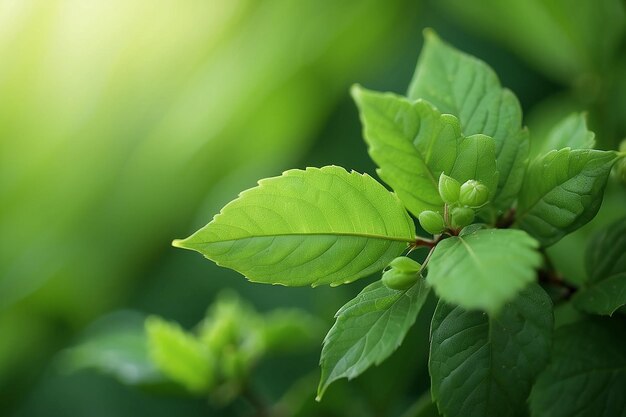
{"x": 551, "y": 277}
{"x": 261, "y": 407}
{"x": 506, "y": 220}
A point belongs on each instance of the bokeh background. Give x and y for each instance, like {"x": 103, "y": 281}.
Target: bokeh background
{"x": 126, "y": 124}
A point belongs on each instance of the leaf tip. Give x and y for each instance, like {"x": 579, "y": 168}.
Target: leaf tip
{"x": 355, "y": 90}
{"x": 430, "y": 34}
{"x": 179, "y": 243}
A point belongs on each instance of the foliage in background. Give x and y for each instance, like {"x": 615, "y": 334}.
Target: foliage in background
{"x": 457, "y": 157}
{"x": 110, "y": 141}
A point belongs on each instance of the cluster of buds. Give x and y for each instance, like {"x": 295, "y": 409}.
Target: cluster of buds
{"x": 461, "y": 202}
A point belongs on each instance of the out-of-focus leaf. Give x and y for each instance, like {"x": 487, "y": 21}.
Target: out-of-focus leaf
{"x": 180, "y": 356}
{"x": 290, "y": 331}
{"x": 586, "y": 376}
{"x": 313, "y": 227}
{"x": 368, "y": 329}
{"x": 115, "y": 345}
{"x": 604, "y": 297}
{"x": 459, "y": 84}
{"x": 563, "y": 191}
{"x": 604, "y": 291}
{"x": 606, "y": 252}
{"x": 485, "y": 269}
{"x": 570, "y": 132}
{"x": 563, "y": 41}
{"x": 485, "y": 366}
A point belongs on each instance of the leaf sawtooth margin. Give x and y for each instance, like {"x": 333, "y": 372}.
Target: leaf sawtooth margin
{"x": 369, "y": 328}
{"x": 307, "y": 227}
{"x": 485, "y": 269}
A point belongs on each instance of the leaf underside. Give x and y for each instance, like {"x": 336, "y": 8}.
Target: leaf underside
{"x": 485, "y": 269}
{"x": 484, "y": 366}
{"x": 311, "y": 227}
{"x": 368, "y": 329}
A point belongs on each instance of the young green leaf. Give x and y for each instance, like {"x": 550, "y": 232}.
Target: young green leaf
{"x": 563, "y": 191}
{"x": 587, "y": 374}
{"x": 368, "y": 329}
{"x": 571, "y": 132}
{"x": 485, "y": 366}
{"x": 115, "y": 345}
{"x": 413, "y": 144}
{"x": 466, "y": 87}
{"x": 476, "y": 161}
{"x": 180, "y": 356}
{"x": 604, "y": 297}
{"x": 290, "y": 330}
{"x": 313, "y": 227}
{"x": 485, "y": 269}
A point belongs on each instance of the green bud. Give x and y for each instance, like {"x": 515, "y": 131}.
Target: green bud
{"x": 398, "y": 280}
{"x": 473, "y": 193}
{"x": 461, "y": 217}
{"x": 431, "y": 221}
{"x": 449, "y": 189}
{"x": 405, "y": 264}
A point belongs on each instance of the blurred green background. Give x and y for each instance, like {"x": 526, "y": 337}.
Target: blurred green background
{"x": 125, "y": 124}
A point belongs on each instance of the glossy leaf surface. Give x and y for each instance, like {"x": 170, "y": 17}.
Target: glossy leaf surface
{"x": 313, "y": 227}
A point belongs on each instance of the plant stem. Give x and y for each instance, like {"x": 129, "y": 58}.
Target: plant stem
{"x": 261, "y": 407}
{"x": 550, "y": 276}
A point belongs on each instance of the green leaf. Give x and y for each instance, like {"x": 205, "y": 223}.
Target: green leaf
{"x": 571, "y": 132}
{"x": 587, "y": 374}
{"x": 564, "y": 42}
{"x": 476, "y": 160}
{"x": 485, "y": 366}
{"x": 180, "y": 356}
{"x": 484, "y": 269}
{"x": 313, "y": 227}
{"x": 604, "y": 297}
{"x": 466, "y": 87}
{"x": 290, "y": 331}
{"x": 115, "y": 345}
{"x": 368, "y": 329}
{"x": 606, "y": 252}
{"x": 563, "y": 191}
{"x": 413, "y": 144}
{"x": 604, "y": 291}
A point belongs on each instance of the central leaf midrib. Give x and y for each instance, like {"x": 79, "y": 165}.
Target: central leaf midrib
{"x": 341, "y": 234}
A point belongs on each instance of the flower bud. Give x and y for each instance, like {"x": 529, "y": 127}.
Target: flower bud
{"x": 403, "y": 272}
{"x": 405, "y": 264}
{"x": 461, "y": 217}
{"x": 431, "y": 221}
{"x": 473, "y": 194}
{"x": 449, "y": 189}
